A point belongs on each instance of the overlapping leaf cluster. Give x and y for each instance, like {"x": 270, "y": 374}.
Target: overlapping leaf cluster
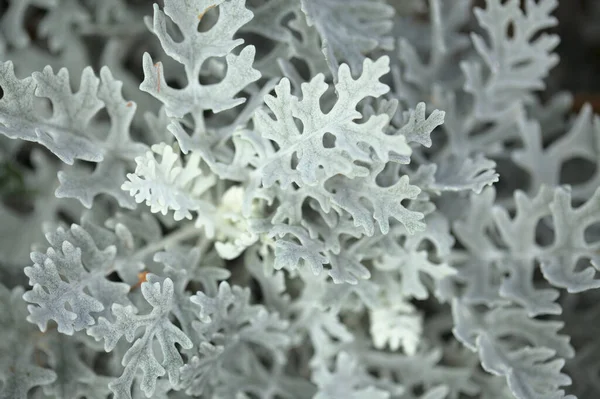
{"x": 293, "y": 199}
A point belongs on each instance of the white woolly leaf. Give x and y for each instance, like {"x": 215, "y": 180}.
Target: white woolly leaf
{"x": 350, "y": 28}
{"x": 192, "y": 52}
{"x": 69, "y": 281}
{"x": 353, "y": 141}
{"x": 157, "y": 328}
{"x": 169, "y": 184}
{"x": 348, "y": 380}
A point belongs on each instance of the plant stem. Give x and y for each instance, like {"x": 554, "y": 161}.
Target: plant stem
{"x": 182, "y": 234}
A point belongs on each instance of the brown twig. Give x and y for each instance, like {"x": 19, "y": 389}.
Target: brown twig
{"x": 203, "y": 13}
{"x": 157, "y": 66}
{"x": 141, "y": 279}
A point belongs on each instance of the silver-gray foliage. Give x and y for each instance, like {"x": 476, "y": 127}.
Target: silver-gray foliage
{"x": 297, "y": 199}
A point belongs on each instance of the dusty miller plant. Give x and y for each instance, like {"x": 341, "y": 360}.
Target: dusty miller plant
{"x": 293, "y": 199}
